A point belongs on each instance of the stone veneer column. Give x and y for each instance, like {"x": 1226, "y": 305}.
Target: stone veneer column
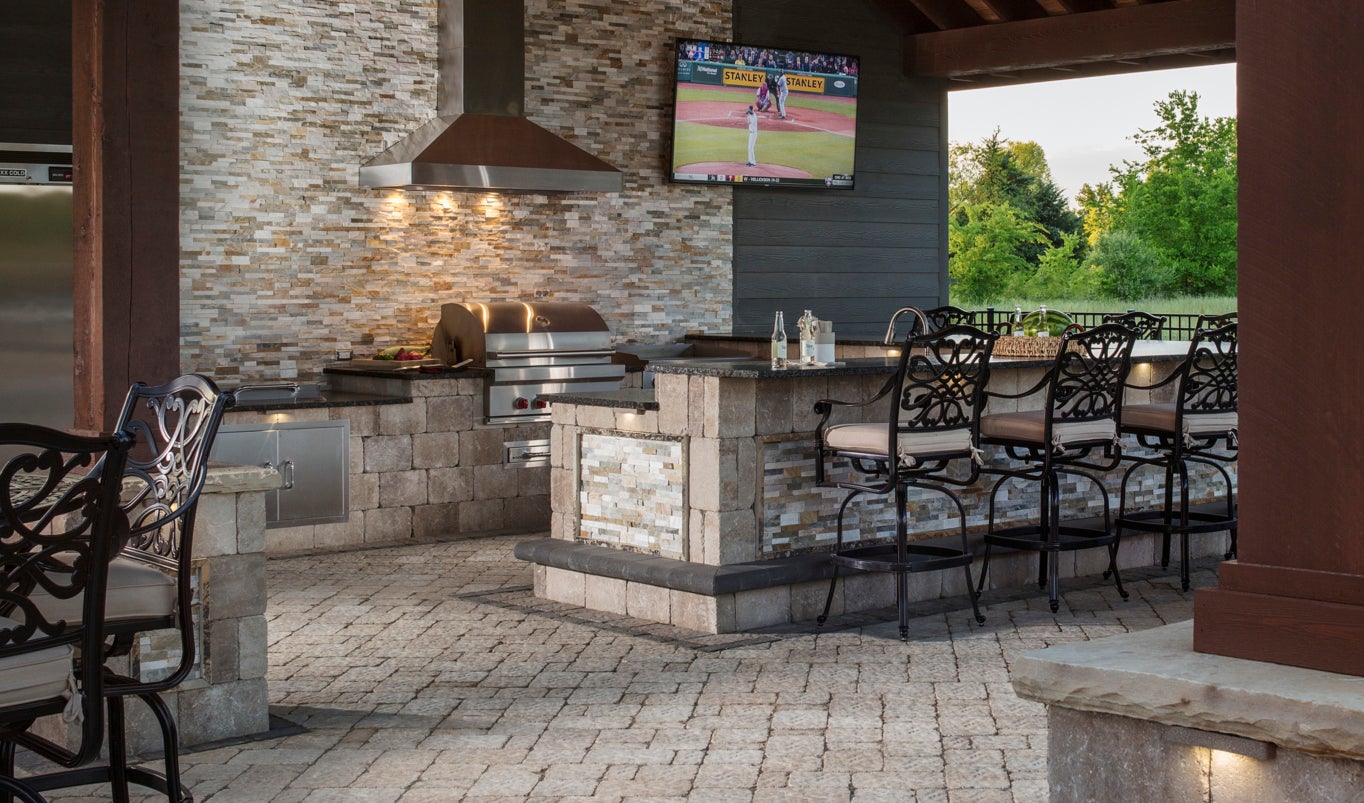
{"x": 226, "y": 695}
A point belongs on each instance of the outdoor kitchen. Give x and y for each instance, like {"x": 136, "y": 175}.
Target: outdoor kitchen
{"x": 456, "y": 442}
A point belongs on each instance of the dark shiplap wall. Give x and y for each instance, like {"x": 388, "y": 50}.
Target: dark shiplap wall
{"x": 852, "y": 257}
{"x": 35, "y": 60}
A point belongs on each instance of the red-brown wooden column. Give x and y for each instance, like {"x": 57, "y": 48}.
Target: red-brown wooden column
{"x": 1296, "y": 595}
{"x": 125, "y": 120}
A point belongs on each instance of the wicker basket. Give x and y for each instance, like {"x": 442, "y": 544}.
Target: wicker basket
{"x": 1014, "y": 346}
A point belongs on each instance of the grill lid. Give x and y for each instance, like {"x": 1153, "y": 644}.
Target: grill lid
{"x": 471, "y": 330}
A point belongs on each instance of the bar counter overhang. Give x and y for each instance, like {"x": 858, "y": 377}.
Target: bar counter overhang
{"x": 695, "y": 504}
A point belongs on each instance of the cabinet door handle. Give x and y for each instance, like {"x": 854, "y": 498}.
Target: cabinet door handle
{"x": 288, "y": 474}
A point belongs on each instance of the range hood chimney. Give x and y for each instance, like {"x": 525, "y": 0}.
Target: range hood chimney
{"x": 480, "y": 138}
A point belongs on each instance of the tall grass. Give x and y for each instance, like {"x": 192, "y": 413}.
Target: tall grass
{"x": 1179, "y": 305}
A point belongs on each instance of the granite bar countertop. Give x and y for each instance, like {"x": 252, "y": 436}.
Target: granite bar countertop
{"x": 410, "y": 373}
{"x": 625, "y": 399}
{"x": 326, "y": 397}
{"x": 1144, "y": 351}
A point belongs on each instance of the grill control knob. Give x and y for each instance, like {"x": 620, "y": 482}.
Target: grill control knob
{"x": 521, "y": 403}
{"x": 541, "y": 404}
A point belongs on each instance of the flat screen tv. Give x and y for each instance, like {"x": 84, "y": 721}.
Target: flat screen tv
{"x": 763, "y": 117}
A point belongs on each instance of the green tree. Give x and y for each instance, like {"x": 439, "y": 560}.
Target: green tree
{"x": 1126, "y": 267}
{"x": 998, "y": 171}
{"x": 984, "y": 245}
{"x": 1061, "y": 274}
{"x": 1181, "y": 199}
{"x": 1098, "y": 207}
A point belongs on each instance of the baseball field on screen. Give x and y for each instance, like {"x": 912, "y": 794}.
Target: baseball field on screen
{"x": 711, "y": 134}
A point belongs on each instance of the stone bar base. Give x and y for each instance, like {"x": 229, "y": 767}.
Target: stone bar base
{"x": 737, "y": 597}
{"x": 1143, "y": 717}
{"x": 225, "y": 695}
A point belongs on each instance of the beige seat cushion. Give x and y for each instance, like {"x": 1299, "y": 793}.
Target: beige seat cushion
{"x": 1030, "y": 427}
{"x": 136, "y": 591}
{"x": 1161, "y": 418}
{"x": 871, "y": 439}
{"x": 35, "y": 676}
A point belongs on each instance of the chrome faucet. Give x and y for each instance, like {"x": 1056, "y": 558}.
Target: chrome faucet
{"x": 890, "y": 330}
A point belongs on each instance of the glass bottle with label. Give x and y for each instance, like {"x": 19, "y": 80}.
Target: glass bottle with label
{"x": 1043, "y": 325}
{"x": 779, "y": 342}
{"x": 1018, "y": 320}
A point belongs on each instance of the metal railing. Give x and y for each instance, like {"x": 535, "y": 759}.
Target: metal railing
{"x": 1178, "y": 325}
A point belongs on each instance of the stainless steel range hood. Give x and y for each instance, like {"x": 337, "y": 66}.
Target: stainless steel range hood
{"x": 480, "y": 138}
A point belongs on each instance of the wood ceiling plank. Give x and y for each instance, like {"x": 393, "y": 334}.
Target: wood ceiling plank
{"x": 906, "y": 16}
{"x": 1157, "y": 29}
{"x": 1081, "y": 6}
{"x": 949, "y": 14}
{"x": 1015, "y": 10}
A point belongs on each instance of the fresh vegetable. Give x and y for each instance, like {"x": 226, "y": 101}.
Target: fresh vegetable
{"x": 404, "y": 353}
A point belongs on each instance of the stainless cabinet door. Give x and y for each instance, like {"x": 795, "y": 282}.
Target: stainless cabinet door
{"x": 314, "y": 473}
{"x": 313, "y": 461}
{"x": 250, "y": 446}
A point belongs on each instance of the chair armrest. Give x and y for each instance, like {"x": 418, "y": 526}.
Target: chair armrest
{"x": 825, "y": 407}
{"x": 1162, "y": 383}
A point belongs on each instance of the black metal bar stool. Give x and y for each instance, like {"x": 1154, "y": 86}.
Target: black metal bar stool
{"x": 1146, "y": 325}
{"x": 934, "y": 402}
{"x": 1079, "y": 417}
{"x": 1188, "y": 430}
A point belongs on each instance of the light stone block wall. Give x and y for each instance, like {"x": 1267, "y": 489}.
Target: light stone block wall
{"x": 421, "y": 469}
{"x": 1094, "y": 756}
{"x": 284, "y": 258}
{"x": 750, "y": 496}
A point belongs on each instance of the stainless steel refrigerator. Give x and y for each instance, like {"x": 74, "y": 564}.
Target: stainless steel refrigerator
{"x": 36, "y": 353}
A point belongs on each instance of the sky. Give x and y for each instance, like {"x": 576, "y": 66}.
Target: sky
{"x": 1085, "y": 124}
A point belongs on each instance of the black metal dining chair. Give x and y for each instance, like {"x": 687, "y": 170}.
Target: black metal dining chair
{"x": 1215, "y": 321}
{"x": 948, "y": 315}
{"x": 933, "y": 403}
{"x": 1199, "y": 427}
{"x": 60, "y": 522}
{"x": 1077, "y": 423}
{"x": 1146, "y": 325}
{"x": 150, "y": 582}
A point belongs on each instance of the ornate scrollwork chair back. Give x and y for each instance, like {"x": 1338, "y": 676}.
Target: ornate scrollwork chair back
{"x": 60, "y": 523}
{"x": 1146, "y": 325}
{"x": 948, "y": 315}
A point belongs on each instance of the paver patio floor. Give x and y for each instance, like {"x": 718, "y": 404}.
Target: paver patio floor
{"x": 431, "y": 673}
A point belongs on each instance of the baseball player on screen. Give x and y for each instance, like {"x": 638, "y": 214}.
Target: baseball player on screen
{"x": 781, "y": 94}
{"x": 764, "y": 97}
{"x": 752, "y": 137}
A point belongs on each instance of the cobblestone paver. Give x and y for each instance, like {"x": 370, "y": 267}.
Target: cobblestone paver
{"x": 431, "y": 673}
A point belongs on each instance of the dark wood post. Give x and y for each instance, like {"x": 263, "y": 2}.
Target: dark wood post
{"x": 125, "y": 120}
{"x": 1296, "y": 595}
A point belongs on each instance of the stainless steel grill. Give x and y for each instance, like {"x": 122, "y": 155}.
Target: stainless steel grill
{"x": 531, "y": 348}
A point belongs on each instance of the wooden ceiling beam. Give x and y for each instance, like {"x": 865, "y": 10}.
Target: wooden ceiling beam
{"x": 1158, "y": 29}
{"x": 1091, "y": 69}
{"x": 948, "y": 14}
{"x": 1015, "y": 10}
{"x": 906, "y": 17}
{"x": 1081, "y": 6}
